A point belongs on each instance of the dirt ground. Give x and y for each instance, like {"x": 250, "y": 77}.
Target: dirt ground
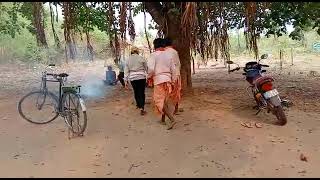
{"x": 208, "y": 140}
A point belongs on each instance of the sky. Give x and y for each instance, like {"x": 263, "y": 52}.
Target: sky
{"x": 138, "y": 21}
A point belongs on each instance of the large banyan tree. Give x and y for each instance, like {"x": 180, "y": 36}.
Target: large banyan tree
{"x": 202, "y": 27}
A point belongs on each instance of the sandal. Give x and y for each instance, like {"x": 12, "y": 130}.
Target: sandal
{"x": 258, "y": 125}
{"x": 143, "y": 112}
{"x": 247, "y": 125}
{"x": 171, "y": 124}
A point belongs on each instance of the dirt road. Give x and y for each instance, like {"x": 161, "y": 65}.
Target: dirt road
{"x": 208, "y": 140}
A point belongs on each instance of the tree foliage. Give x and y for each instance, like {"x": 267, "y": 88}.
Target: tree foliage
{"x": 10, "y": 23}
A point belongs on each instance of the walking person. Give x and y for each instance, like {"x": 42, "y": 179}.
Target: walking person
{"x": 161, "y": 71}
{"x": 176, "y": 92}
{"x": 135, "y": 71}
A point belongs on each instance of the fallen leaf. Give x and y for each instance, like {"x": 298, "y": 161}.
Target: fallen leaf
{"x": 303, "y": 158}
{"x": 304, "y": 171}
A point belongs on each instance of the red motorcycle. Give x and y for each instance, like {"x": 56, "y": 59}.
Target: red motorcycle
{"x": 261, "y": 86}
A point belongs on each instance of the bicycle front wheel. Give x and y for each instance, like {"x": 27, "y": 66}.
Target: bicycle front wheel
{"x": 74, "y": 111}
{"x": 38, "y": 107}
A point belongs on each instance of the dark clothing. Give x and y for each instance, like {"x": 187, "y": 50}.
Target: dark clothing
{"x": 111, "y": 77}
{"x": 120, "y": 78}
{"x": 139, "y": 87}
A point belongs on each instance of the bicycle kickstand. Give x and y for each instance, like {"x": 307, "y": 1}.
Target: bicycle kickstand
{"x": 258, "y": 111}
{"x": 70, "y": 134}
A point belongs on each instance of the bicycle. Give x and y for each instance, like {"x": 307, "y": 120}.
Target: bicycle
{"x": 58, "y": 105}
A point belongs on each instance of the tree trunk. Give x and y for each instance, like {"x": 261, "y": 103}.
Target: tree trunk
{"x": 183, "y": 47}
{"x": 69, "y": 50}
{"x": 145, "y": 29}
{"x": 89, "y": 47}
{"x": 56, "y": 38}
{"x": 38, "y": 24}
{"x": 239, "y": 47}
{"x": 184, "y": 55}
{"x": 74, "y": 43}
{"x": 193, "y": 66}
{"x": 179, "y": 41}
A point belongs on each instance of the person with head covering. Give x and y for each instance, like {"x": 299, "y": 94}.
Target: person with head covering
{"x": 135, "y": 71}
{"x": 161, "y": 70}
{"x": 176, "y": 92}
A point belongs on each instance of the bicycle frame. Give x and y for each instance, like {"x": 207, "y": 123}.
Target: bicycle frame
{"x": 45, "y": 89}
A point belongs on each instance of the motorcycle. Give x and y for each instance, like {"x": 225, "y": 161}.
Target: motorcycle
{"x": 261, "y": 85}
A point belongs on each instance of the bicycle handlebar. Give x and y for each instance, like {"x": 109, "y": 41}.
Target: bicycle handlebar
{"x": 58, "y": 75}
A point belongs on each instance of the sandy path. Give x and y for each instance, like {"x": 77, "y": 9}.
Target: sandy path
{"x": 208, "y": 140}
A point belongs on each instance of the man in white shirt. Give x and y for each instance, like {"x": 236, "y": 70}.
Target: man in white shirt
{"x": 161, "y": 70}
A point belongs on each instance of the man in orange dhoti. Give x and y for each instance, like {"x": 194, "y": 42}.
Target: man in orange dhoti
{"x": 161, "y": 71}
{"x": 176, "y": 92}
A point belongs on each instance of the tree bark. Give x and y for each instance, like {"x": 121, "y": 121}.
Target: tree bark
{"x": 173, "y": 31}
{"x": 89, "y": 47}
{"x": 38, "y": 24}
{"x": 56, "y": 38}
{"x": 193, "y": 69}
{"x": 68, "y": 30}
{"x": 145, "y": 29}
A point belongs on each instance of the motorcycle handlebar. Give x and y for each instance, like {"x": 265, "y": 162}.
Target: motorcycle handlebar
{"x": 236, "y": 69}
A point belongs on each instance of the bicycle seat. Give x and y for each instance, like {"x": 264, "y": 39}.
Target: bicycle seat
{"x": 63, "y": 75}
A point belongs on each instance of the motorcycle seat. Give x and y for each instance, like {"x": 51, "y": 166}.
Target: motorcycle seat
{"x": 262, "y": 79}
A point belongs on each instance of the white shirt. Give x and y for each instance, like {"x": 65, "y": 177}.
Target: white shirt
{"x": 161, "y": 66}
{"x": 176, "y": 59}
{"x": 135, "y": 68}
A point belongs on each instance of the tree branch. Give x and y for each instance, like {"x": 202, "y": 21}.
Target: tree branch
{"x": 155, "y": 10}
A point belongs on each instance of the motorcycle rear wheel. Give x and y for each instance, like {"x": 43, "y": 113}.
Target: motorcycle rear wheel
{"x": 281, "y": 116}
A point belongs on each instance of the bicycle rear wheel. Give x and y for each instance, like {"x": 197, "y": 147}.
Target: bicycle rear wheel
{"x": 38, "y": 107}
{"x": 74, "y": 112}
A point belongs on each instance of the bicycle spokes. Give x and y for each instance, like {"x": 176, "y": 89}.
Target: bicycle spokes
{"x": 42, "y": 101}
{"x": 72, "y": 115}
